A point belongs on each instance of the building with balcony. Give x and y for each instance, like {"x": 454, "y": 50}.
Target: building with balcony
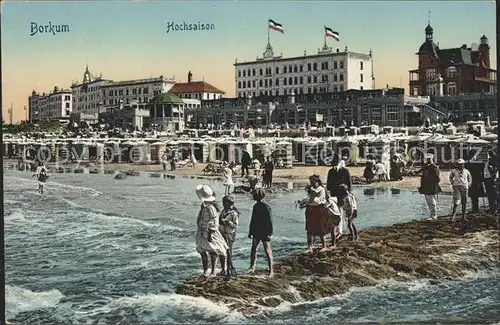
{"x": 325, "y": 72}
{"x": 133, "y": 116}
{"x": 167, "y": 111}
{"x": 56, "y": 105}
{"x": 352, "y": 107}
{"x": 88, "y": 96}
{"x": 138, "y": 90}
{"x": 468, "y": 107}
{"x": 453, "y": 71}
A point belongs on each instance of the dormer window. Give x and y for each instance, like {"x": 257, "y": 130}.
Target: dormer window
{"x": 452, "y": 72}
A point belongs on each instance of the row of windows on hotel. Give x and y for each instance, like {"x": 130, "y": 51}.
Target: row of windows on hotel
{"x": 291, "y": 81}
{"x": 368, "y": 114}
{"x": 310, "y": 90}
{"x": 82, "y": 99}
{"x": 293, "y": 68}
{"x": 135, "y": 91}
{"x": 51, "y": 110}
{"x": 432, "y": 89}
{"x": 452, "y": 73}
{"x": 57, "y": 98}
{"x": 53, "y": 106}
{"x": 52, "y": 99}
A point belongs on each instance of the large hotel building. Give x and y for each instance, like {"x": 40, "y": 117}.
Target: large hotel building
{"x": 324, "y": 72}
{"x": 330, "y": 86}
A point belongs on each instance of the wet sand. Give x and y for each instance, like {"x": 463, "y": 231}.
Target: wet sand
{"x": 297, "y": 175}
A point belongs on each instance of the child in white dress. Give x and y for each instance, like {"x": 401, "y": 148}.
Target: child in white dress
{"x": 227, "y": 174}
{"x": 209, "y": 240}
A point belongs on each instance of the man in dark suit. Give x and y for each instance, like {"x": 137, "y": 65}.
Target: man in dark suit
{"x": 476, "y": 190}
{"x": 246, "y": 160}
{"x": 338, "y": 175}
{"x": 429, "y": 184}
{"x": 490, "y": 179}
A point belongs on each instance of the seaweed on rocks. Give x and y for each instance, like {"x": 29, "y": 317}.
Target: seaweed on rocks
{"x": 434, "y": 250}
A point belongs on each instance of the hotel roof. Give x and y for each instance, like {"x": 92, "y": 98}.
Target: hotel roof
{"x": 138, "y": 81}
{"x": 194, "y": 87}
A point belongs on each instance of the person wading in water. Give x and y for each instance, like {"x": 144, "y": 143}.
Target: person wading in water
{"x": 41, "y": 175}
{"x": 229, "y": 217}
{"x": 261, "y": 230}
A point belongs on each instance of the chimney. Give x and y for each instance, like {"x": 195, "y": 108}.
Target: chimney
{"x": 190, "y": 76}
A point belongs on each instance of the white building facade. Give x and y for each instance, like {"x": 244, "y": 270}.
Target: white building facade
{"x": 53, "y": 106}
{"x": 139, "y": 90}
{"x": 326, "y": 71}
{"x": 88, "y": 96}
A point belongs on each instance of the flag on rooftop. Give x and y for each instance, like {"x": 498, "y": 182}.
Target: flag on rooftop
{"x": 331, "y": 33}
{"x": 276, "y": 26}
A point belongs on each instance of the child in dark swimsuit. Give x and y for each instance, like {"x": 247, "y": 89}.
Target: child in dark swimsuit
{"x": 261, "y": 230}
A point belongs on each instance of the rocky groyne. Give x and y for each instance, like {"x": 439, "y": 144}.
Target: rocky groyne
{"x": 435, "y": 250}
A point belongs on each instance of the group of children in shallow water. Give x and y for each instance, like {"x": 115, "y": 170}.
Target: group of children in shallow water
{"x": 217, "y": 227}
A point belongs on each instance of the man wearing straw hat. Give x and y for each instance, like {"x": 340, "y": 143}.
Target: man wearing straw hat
{"x": 429, "y": 184}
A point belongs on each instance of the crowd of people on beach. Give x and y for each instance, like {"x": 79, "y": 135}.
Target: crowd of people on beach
{"x": 327, "y": 207}
{"x": 384, "y": 169}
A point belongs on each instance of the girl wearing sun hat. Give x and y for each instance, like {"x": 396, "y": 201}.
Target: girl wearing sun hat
{"x": 209, "y": 240}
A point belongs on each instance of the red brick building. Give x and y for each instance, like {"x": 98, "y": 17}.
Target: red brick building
{"x": 453, "y": 71}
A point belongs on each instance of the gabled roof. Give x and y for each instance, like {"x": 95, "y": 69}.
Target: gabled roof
{"x": 194, "y": 87}
{"x": 457, "y": 56}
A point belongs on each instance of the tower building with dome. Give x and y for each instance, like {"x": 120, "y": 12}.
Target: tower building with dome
{"x": 452, "y": 71}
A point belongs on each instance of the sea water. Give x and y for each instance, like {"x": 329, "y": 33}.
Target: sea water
{"x": 97, "y": 250}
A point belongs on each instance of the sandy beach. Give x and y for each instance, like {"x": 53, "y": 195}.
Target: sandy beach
{"x": 297, "y": 175}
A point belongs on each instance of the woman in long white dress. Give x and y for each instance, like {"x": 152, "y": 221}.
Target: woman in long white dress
{"x": 209, "y": 240}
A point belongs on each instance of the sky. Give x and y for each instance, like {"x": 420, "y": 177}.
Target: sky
{"x": 129, "y": 40}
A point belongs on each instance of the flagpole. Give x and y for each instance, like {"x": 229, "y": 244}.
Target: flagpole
{"x": 268, "y": 34}
{"x": 324, "y": 35}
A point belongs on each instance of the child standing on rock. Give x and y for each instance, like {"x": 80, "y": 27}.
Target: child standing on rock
{"x": 228, "y": 225}
{"x": 350, "y": 210}
{"x": 261, "y": 230}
